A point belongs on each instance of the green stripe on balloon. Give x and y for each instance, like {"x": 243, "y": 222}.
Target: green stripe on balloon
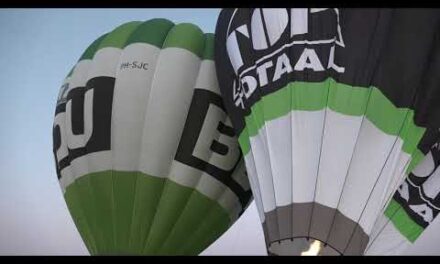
{"x": 118, "y": 37}
{"x": 82, "y": 200}
{"x": 152, "y": 32}
{"x": 128, "y": 33}
{"x": 149, "y": 221}
{"x": 208, "y": 53}
{"x": 124, "y": 192}
{"x": 73, "y": 202}
{"x": 99, "y": 205}
{"x": 196, "y": 211}
{"x": 161, "y": 33}
{"x": 341, "y": 98}
{"x": 186, "y": 36}
{"x": 148, "y": 194}
{"x": 416, "y": 157}
{"x": 91, "y": 50}
{"x": 403, "y": 223}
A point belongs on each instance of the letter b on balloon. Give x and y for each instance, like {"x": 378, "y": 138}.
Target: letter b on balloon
{"x": 208, "y": 133}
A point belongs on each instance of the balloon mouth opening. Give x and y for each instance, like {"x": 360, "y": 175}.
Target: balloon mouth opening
{"x": 301, "y": 246}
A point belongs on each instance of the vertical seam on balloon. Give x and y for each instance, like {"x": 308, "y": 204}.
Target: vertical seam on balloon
{"x": 267, "y": 146}
{"x": 366, "y": 110}
{"x": 193, "y": 192}
{"x": 141, "y": 242}
{"x": 396, "y": 184}
{"x": 357, "y": 138}
{"x": 257, "y": 184}
{"x": 385, "y": 207}
{"x": 319, "y": 161}
{"x": 377, "y": 180}
{"x": 170, "y": 231}
{"x": 382, "y": 229}
{"x": 164, "y": 185}
{"x": 112, "y": 177}
{"x": 251, "y": 152}
{"x": 290, "y": 87}
{"x": 264, "y": 138}
{"x": 348, "y": 169}
{"x": 375, "y": 184}
{"x": 136, "y": 173}
{"x": 328, "y": 85}
{"x": 97, "y": 231}
{"x": 112, "y": 139}
{"x": 187, "y": 248}
{"x": 165, "y": 188}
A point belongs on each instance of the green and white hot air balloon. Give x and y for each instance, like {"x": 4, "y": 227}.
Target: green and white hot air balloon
{"x": 145, "y": 153}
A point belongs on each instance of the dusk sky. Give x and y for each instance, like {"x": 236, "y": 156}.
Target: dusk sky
{"x": 38, "y": 48}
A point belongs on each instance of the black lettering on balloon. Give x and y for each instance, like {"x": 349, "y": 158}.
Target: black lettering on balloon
{"x": 422, "y": 205}
{"x": 197, "y": 116}
{"x": 100, "y": 139}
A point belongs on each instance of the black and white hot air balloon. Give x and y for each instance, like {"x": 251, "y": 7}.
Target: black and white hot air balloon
{"x": 334, "y": 108}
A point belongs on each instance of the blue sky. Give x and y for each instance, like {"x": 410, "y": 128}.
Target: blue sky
{"x": 38, "y": 48}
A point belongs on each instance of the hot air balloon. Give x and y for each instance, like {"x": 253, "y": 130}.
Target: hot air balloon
{"x": 333, "y": 109}
{"x": 145, "y": 154}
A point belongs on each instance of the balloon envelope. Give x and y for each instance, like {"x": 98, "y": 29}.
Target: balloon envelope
{"x": 145, "y": 153}
{"x": 333, "y": 108}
